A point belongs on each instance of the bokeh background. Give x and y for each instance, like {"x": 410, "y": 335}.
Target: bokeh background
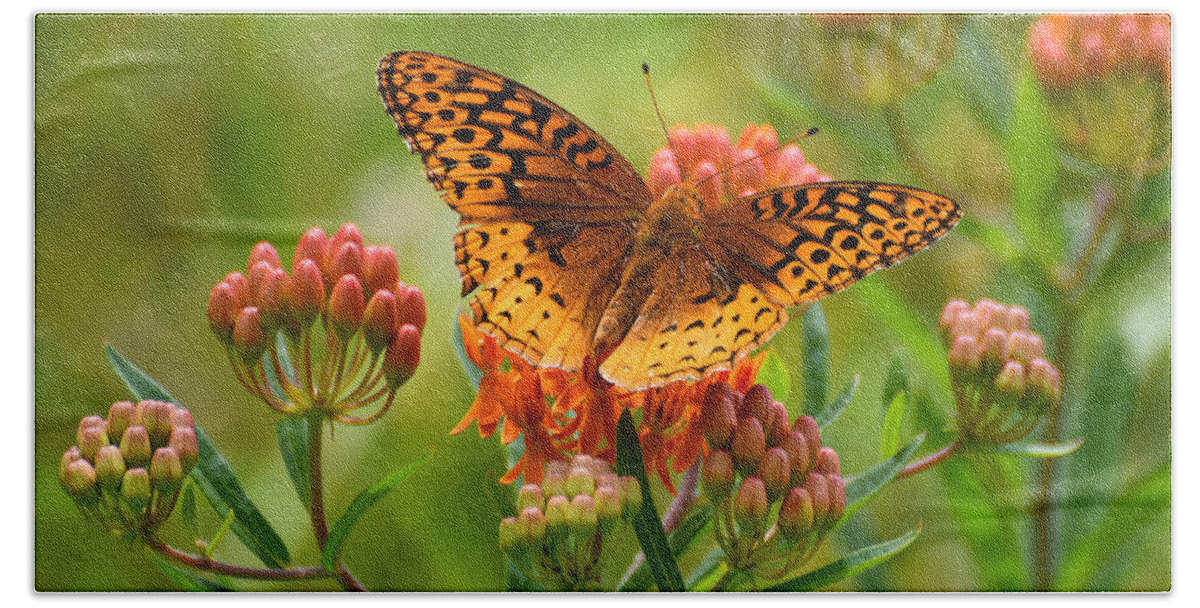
{"x": 166, "y": 146}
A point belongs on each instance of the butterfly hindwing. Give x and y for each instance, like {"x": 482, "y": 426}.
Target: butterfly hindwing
{"x": 499, "y": 151}
{"x": 801, "y": 243}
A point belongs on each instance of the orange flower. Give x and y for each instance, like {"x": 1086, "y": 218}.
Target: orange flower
{"x": 565, "y": 413}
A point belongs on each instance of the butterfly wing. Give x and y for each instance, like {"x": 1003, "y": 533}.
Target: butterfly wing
{"x": 499, "y": 151}
{"x": 801, "y": 243}
{"x": 547, "y": 205}
{"x": 697, "y": 319}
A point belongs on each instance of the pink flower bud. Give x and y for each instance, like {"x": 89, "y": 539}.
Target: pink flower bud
{"x": 1095, "y": 56}
{"x": 818, "y": 486}
{"x": 799, "y": 456}
{"x": 110, "y": 467}
{"x": 223, "y": 308}
{"x": 757, "y": 404}
{"x": 808, "y": 427}
{"x": 256, "y": 277}
{"x": 964, "y": 360}
{"x": 249, "y": 339}
{"x": 411, "y": 302}
{"x": 135, "y": 489}
{"x": 183, "y": 441}
{"x": 135, "y": 446}
{"x": 263, "y": 252}
{"x": 240, "y": 285}
{"x": 166, "y": 470}
{"x": 950, "y": 312}
{"x": 990, "y": 314}
{"x": 78, "y": 479}
{"x": 711, "y": 185}
{"x": 717, "y": 415}
{"x": 272, "y": 300}
{"x": 402, "y": 356}
{"x": 532, "y": 525}
{"x": 750, "y": 506}
{"x": 181, "y": 418}
{"x": 306, "y": 292}
{"x": 608, "y": 507}
{"x": 71, "y": 455}
{"x": 346, "y": 261}
{"x": 1017, "y": 320}
{"x": 991, "y": 355}
{"x": 379, "y": 320}
{"x": 120, "y": 417}
{"x": 310, "y": 247}
{"x": 156, "y": 418}
{"x": 966, "y": 324}
{"x": 530, "y": 495}
{"x": 748, "y": 445}
{"x": 380, "y": 268}
{"x": 663, "y": 173}
{"x": 828, "y": 462}
{"x": 837, "y": 500}
{"x": 91, "y": 437}
{"x": 348, "y": 233}
{"x": 796, "y": 514}
{"x": 581, "y": 516}
{"x": 346, "y": 307}
{"x": 775, "y": 471}
{"x": 717, "y": 474}
{"x": 779, "y": 426}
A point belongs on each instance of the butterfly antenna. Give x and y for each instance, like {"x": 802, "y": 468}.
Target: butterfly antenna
{"x": 657, "y": 112}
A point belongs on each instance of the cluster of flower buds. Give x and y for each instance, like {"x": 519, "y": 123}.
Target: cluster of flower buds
{"x": 125, "y": 471}
{"x": 1002, "y": 381}
{"x": 874, "y": 59}
{"x": 1108, "y": 80}
{"x": 372, "y": 324}
{"x": 755, "y": 164}
{"x": 558, "y": 535}
{"x": 753, "y": 448}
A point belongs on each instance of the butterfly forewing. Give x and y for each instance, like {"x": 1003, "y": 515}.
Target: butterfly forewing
{"x": 498, "y": 150}
{"x": 801, "y": 243}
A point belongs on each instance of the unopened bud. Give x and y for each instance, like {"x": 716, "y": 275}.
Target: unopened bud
{"x": 530, "y": 495}
{"x": 991, "y": 351}
{"x": 799, "y": 456}
{"x": 249, "y": 339}
{"x": 311, "y": 246}
{"x": 950, "y": 312}
{"x": 263, "y": 252}
{"x": 78, "y": 478}
{"x": 778, "y": 428}
{"x": 110, "y": 467}
{"x": 348, "y": 233}
{"x": 411, "y": 302}
{"x": 796, "y": 514}
{"x": 156, "y": 418}
{"x": 1010, "y": 382}
{"x": 964, "y": 360}
{"x": 748, "y": 446}
{"x": 511, "y": 538}
{"x": 181, "y": 418}
{"x": 608, "y": 507}
{"x": 750, "y": 506}
{"x": 554, "y": 480}
{"x": 1017, "y": 319}
{"x": 1044, "y": 383}
{"x": 718, "y": 417}
{"x": 272, "y": 300}
{"x": 379, "y": 320}
{"x": 241, "y": 288}
{"x": 532, "y": 525}
{"x": 717, "y": 474}
{"x": 346, "y": 261}
{"x": 71, "y": 455}
{"x": 757, "y": 404}
{"x": 557, "y": 507}
{"x": 223, "y": 309}
{"x": 120, "y": 417}
{"x": 255, "y": 279}
{"x": 1024, "y": 346}
{"x": 581, "y": 516}
{"x": 828, "y": 462}
{"x": 346, "y": 306}
{"x": 306, "y": 292}
{"x": 402, "y": 356}
{"x": 183, "y": 441}
{"x": 135, "y": 446}
{"x": 818, "y": 487}
{"x": 166, "y": 471}
{"x": 135, "y": 489}
{"x": 966, "y": 324}
{"x": 837, "y": 499}
{"x": 990, "y": 314}
{"x": 91, "y": 436}
{"x": 380, "y": 268}
{"x": 579, "y": 481}
{"x": 776, "y": 473}
{"x": 806, "y": 425}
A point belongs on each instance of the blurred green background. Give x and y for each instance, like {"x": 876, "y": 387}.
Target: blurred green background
{"x": 166, "y": 146}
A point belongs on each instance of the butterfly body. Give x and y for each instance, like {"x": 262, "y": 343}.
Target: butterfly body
{"x": 567, "y": 255}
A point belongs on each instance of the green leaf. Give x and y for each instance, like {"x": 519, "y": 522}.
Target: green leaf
{"x": 774, "y": 375}
{"x": 474, "y": 374}
{"x": 213, "y": 474}
{"x": 680, "y": 539}
{"x": 895, "y": 381}
{"x": 646, "y": 524}
{"x": 358, "y": 507}
{"x": 855, "y": 563}
{"x": 893, "y": 423}
{"x": 708, "y": 571}
{"x": 860, "y": 487}
{"x": 292, "y": 433}
{"x": 816, "y": 358}
{"x": 187, "y": 508}
{"x": 187, "y": 581}
{"x": 1040, "y": 450}
{"x": 830, "y": 413}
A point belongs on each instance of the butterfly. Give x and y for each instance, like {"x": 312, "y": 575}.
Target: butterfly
{"x": 567, "y": 255}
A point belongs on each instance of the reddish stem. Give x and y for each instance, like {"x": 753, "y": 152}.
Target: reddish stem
{"x": 200, "y": 562}
{"x": 917, "y": 466}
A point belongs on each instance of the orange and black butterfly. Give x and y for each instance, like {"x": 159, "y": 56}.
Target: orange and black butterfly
{"x": 569, "y": 255}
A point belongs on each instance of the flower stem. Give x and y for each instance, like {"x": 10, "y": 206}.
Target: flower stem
{"x": 929, "y": 461}
{"x": 316, "y": 499}
{"x": 201, "y": 562}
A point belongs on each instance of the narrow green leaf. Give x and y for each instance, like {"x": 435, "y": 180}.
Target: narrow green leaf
{"x": 816, "y": 358}
{"x": 213, "y": 474}
{"x": 474, "y": 374}
{"x": 680, "y": 539}
{"x": 646, "y": 524}
{"x": 1040, "y": 450}
{"x": 187, "y": 508}
{"x": 860, "y": 487}
{"x": 895, "y": 381}
{"x": 358, "y": 507}
{"x": 893, "y": 424}
{"x": 855, "y": 563}
{"x": 187, "y": 581}
{"x": 708, "y": 571}
{"x": 774, "y": 375}
{"x": 292, "y": 433}
{"x": 830, "y": 413}
{"x": 518, "y": 581}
